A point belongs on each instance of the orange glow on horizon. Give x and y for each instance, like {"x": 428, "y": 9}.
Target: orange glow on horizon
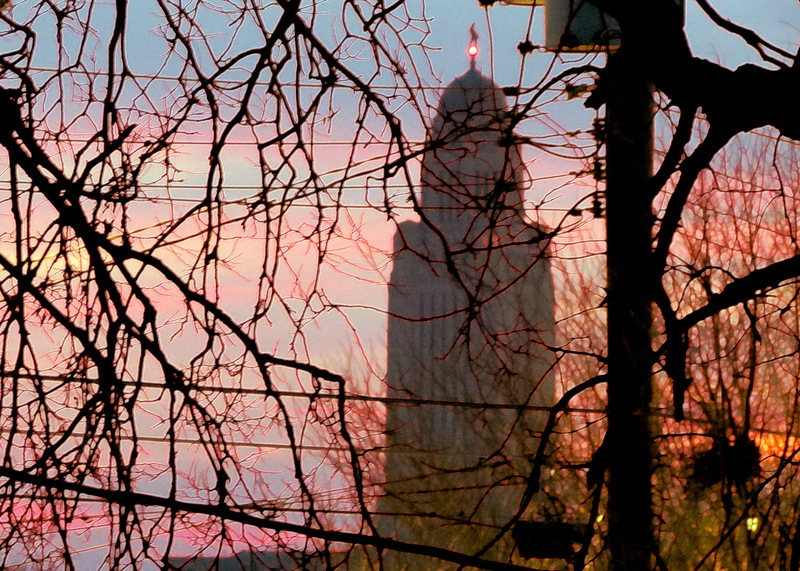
{"x": 770, "y": 444}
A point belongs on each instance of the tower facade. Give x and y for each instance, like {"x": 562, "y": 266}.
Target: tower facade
{"x": 471, "y": 319}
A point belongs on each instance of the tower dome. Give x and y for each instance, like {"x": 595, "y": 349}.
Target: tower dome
{"x": 471, "y": 102}
{"x": 470, "y": 168}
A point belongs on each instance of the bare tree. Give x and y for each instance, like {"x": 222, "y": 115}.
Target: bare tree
{"x": 155, "y": 409}
{"x": 147, "y": 411}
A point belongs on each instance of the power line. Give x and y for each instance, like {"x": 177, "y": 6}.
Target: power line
{"x": 406, "y": 401}
{"x": 195, "y": 441}
{"x": 233, "y": 143}
{"x": 266, "y": 393}
{"x": 312, "y": 395}
{"x": 270, "y": 506}
{"x": 301, "y": 85}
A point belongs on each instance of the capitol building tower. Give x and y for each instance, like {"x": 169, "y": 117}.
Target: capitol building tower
{"x": 470, "y": 324}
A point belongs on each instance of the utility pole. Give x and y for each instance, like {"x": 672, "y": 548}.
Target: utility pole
{"x": 629, "y": 222}
{"x": 628, "y": 446}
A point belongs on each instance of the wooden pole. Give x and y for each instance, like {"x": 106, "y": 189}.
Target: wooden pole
{"x": 629, "y": 219}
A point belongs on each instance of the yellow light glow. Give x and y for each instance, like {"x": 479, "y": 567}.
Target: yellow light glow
{"x": 752, "y": 524}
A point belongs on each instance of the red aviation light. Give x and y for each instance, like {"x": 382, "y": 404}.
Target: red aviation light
{"x": 472, "y": 50}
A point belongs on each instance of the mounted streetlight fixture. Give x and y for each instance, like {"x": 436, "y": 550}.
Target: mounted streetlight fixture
{"x": 574, "y": 26}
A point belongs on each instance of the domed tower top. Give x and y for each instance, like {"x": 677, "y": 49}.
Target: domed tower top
{"x": 471, "y": 166}
{"x": 470, "y": 103}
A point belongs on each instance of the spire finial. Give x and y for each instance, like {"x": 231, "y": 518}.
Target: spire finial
{"x": 472, "y": 50}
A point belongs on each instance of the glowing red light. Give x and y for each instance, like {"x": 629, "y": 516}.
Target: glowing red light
{"x": 472, "y": 50}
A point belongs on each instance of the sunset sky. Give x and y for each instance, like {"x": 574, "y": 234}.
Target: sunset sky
{"x": 343, "y": 327}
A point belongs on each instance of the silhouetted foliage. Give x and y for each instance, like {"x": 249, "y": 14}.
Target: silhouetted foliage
{"x": 188, "y": 196}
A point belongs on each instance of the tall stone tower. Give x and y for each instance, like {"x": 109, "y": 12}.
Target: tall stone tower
{"x": 471, "y": 317}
